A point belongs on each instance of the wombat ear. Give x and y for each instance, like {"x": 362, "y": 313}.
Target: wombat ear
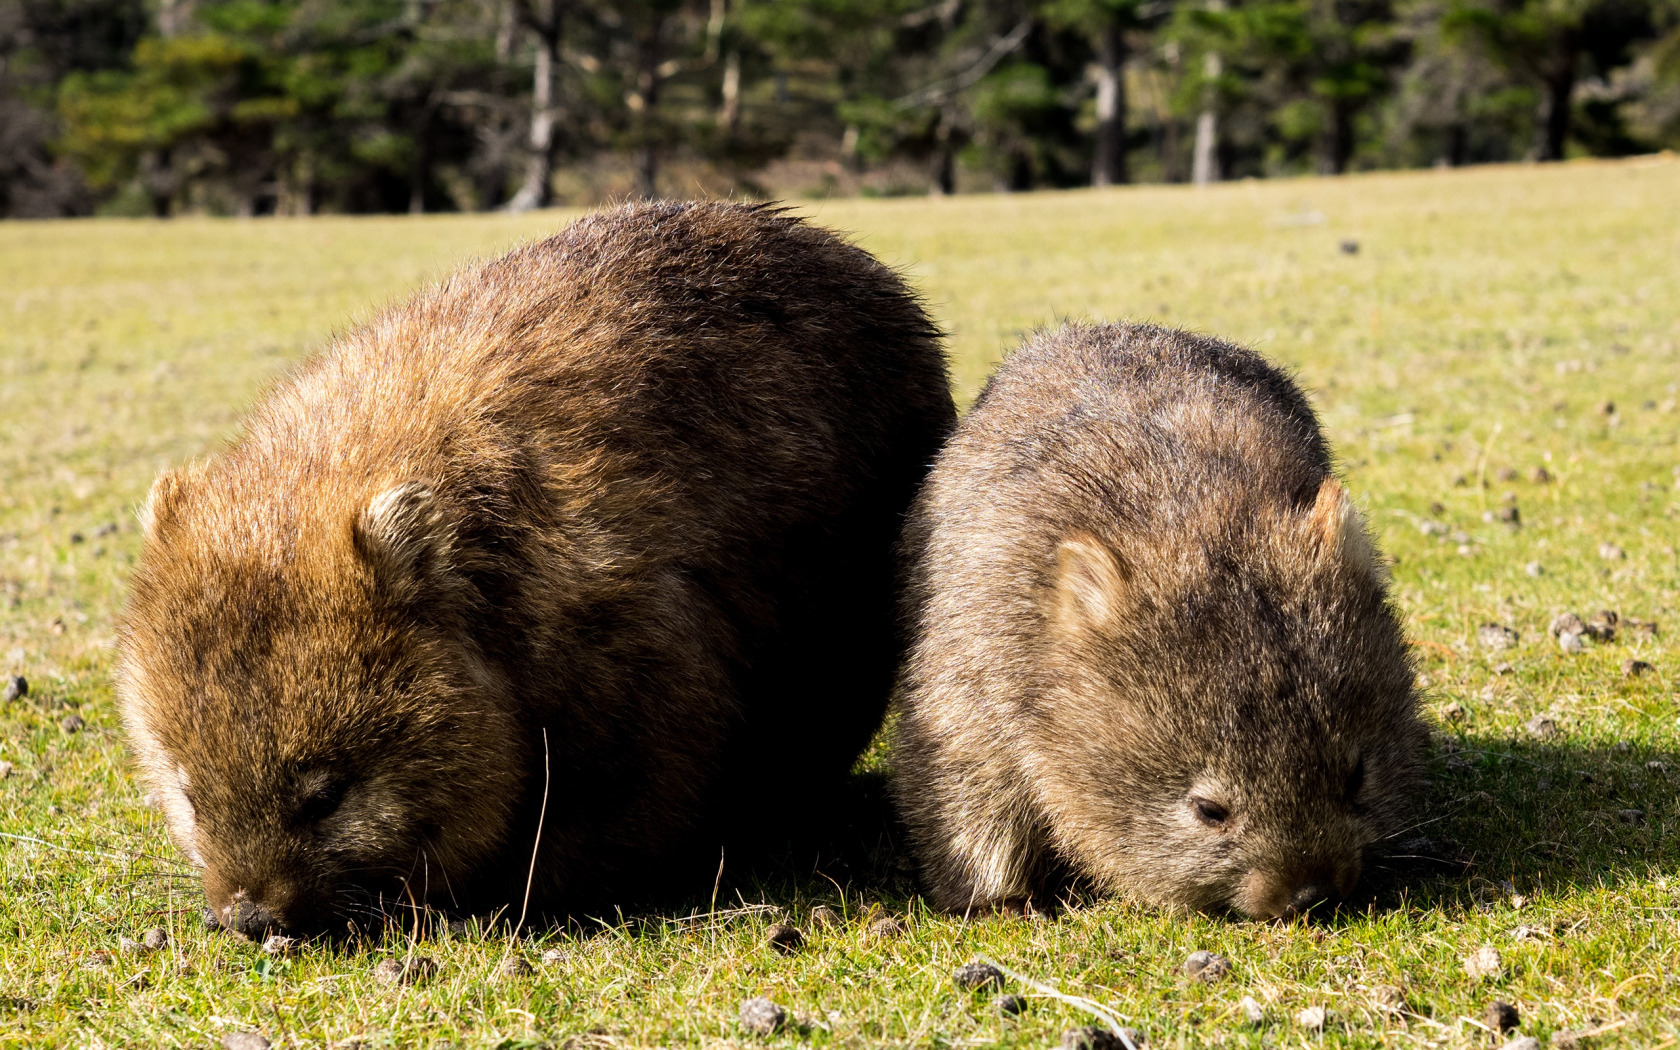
{"x": 1340, "y": 531}
{"x": 1090, "y": 583}
{"x": 161, "y": 503}
{"x": 404, "y": 535}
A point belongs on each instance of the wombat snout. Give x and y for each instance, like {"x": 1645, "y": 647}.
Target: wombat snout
{"x": 247, "y": 917}
{"x": 1292, "y": 896}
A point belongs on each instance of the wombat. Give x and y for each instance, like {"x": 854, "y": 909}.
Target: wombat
{"x": 540, "y": 575}
{"x": 1154, "y": 650}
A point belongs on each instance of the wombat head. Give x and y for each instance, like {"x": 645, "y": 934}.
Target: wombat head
{"x": 304, "y": 706}
{"x": 1246, "y": 725}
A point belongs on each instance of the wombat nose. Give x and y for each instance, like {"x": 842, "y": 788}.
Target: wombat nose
{"x": 1309, "y": 897}
{"x": 249, "y": 918}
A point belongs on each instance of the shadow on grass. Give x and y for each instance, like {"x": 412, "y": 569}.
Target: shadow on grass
{"x": 1500, "y": 815}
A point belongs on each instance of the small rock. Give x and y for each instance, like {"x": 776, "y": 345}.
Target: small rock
{"x": 977, "y": 974}
{"x": 244, "y": 1041}
{"x": 1541, "y": 726}
{"x": 553, "y": 957}
{"x": 400, "y": 971}
{"x": 72, "y": 724}
{"x": 825, "y": 918}
{"x": 17, "y": 687}
{"x": 514, "y": 966}
{"x": 1611, "y": 552}
{"x": 1500, "y": 1016}
{"x": 1350, "y": 247}
{"x": 1009, "y": 1005}
{"x": 1484, "y": 962}
{"x": 1634, "y": 668}
{"x": 1570, "y": 642}
{"x": 1206, "y": 966}
{"x": 1496, "y": 636}
{"x": 1313, "y": 1018}
{"x": 762, "y": 1017}
{"x": 155, "y": 939}
{"x": 1540, "y": 476}
{"x": 883, "y": 929}
{"x": 1534, "y": 568}
{"x": 1251, "y": 1009}
{"x": 1524, "y": 1042}
{"x": 278, "y": 944}
{"x": 784, "y": 938}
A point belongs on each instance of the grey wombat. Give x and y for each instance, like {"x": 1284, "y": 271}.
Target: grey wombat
{"x": 1154, "y": 649}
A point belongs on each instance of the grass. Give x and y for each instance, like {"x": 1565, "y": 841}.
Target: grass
{"x": 1472, "y": 338}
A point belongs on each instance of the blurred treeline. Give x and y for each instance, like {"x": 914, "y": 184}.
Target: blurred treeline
{"x": 296, "y": 106}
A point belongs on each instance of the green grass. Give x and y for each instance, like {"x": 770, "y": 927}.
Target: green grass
{"x": 1484, "y": 318}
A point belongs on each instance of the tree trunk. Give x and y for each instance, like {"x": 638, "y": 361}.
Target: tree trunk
{"x": 536, "y": 190}
{"x": 1108, "y": 166}
{"x": 1554, "y": 128}
{"x": 944, "y": 161}
{"x": 1204, "y": 165}
{"x": 645, "y": 104}
{"x": 729, "y": 111}
{"x": 1336, "y": 148}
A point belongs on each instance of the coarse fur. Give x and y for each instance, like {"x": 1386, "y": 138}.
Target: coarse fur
{"x": 610, "y": 518}
{"x": 1154, "y": 650}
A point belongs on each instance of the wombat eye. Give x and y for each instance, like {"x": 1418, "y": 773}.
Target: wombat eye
{"x": 322, "y": 802}
{"x": 1209, "y": 812}
{"x": 1356, "y": 779}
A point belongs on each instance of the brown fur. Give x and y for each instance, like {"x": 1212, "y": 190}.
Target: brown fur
{"x": 627, "y": 496}
{"x": 1136, "y": 586}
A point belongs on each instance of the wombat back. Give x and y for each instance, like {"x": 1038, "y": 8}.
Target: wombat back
{"x": 561, "y": 542}
{"x": 1153, "y": 643}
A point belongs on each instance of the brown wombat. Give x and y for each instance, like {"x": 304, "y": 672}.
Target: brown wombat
{"x": 1154, "y": 651}
{"x": 597, "y": 539}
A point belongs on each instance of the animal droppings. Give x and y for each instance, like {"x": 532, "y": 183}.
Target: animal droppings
{"x": 1092, "y": 1037}
{"x": 1496, "y": 636}
{"x": 1541, "y": 726}
{"x": 1566, "y": 623}
{"x": 1541, "y": 476}
{"x": 1251, "y": 1009}
{"x": 155, "y": 939}
{"x": 1500, "y": 1016}
{"x": 1350, "y": 247}
{"x": 245, "y": 1041}
{"x": 1634, "y": 668}
{"x": 1206, "y": 966}
{"x": 553, "y": 957}
{"x": 279, "y": 945}
{"x": 1602, "y": 627}
{"x": 975, "y": 975}
{"x": 1523, "y": 1042}
{"x": 1484, "y": 963}
{"x": 404, "y": 971}
{"x": 1009, "y": 1005}
{"x": 1313, "y": 1018}
{"x": 1389, "y": 998}
{"x": 130, "y": 946}
{"x": 1571, "y": 643}
{"x": 17, "y": 687}
{"x": 514, "y": 966}
{"x": 1611, "y": 552}
{"x": 784, "y": 938}
{"x": 1534, "y": 568}
{"x": 1631, "y": 816}
{"x": 762, "y": 1017}
{"x": 72, "y": 724}
{"x": 824, "y": 918}
{"x": 5, "y": 770}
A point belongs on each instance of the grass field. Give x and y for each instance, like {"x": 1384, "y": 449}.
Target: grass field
{"x": 1480, "y": 333}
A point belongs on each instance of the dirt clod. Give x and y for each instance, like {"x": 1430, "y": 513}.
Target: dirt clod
{"x": 974, "y": 975}
{"x": 760, "y": 1016}
{"x": 17, "y": 687}
{"x": 784, "y": 938}
{"x": 514, "y": 966}
{"x": 1500, "y": 1016}
{"x": 1206, "y": 966}
{"x": 245, "y": 1041}
{"x": 1485, "y": 962}
{"x": 415, "y": 970}
{"x": 1009, "y": 1005}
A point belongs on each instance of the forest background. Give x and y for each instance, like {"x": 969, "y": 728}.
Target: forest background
{"x": 163, "y": 107}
